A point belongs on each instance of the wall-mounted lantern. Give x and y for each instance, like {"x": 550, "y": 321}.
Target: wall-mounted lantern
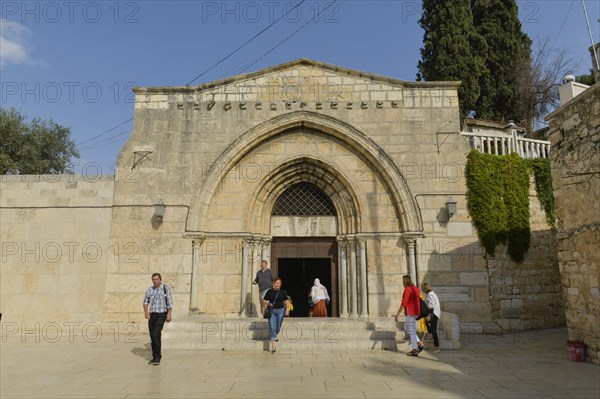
{"x": 450, "y": 207}
{"x": 159, "y": 210}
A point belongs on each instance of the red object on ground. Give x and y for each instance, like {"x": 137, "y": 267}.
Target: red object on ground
{"x": 576, "y": 351}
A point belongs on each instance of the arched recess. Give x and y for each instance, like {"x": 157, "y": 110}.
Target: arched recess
{"x": 309, "y": 170}
{"x": 406, "y": 206}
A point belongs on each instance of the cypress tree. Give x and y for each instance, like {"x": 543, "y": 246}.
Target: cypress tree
{"x": 509, "y": 54}
{"x": 452, "y": 49}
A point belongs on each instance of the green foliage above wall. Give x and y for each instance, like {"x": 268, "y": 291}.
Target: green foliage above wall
{"x": 514, "y": 174}
{"x": 543, "y": 187}
{"x": 498, "y": 199}
{"x": 484, "y": 199}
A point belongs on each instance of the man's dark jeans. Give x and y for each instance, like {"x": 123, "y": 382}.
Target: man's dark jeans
{"x": 155, "y": 326}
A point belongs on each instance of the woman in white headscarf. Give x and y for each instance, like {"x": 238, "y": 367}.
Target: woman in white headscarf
{"x": 319, "y": 298}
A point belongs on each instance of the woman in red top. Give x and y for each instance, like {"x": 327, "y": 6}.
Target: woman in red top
{"x": 412, "y": 308}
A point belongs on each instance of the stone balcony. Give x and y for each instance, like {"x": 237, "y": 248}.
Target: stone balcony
{"x": 500, "y": 143}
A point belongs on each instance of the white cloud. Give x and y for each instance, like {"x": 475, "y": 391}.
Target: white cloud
{"x": 14, "y": 47}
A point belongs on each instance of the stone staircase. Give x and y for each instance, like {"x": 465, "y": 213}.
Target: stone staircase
{"x": 196, "y": 332}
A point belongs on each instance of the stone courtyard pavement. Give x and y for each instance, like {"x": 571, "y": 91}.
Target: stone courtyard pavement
{"x": 524, "y": 365}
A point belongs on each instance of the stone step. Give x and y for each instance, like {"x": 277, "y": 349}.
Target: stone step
{"x": 199, "y": 332}
{"x": 282, "y": 345}
{"x": 202, "y": 333}
{"x": 288, "y": 331}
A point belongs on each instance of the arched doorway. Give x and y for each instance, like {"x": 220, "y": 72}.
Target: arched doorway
{"x": 373, "y": 207}
{"x": 304, "y": 247}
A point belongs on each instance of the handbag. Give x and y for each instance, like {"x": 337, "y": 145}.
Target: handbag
{"x": 269, "y": 309}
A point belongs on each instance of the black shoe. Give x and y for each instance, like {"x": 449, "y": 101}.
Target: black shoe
{"x": 155, "y": 362}
{"x": 151, "y": 361}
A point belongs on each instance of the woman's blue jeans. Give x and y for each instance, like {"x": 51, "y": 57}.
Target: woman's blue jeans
{"x": 275, "y": 322}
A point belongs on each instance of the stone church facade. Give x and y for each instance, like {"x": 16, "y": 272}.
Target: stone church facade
{"x": 323, "y": 171}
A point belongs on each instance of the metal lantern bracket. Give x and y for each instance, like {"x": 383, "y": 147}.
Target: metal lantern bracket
{"x": 139, "y": 156}
{"x": 450, "y": 207}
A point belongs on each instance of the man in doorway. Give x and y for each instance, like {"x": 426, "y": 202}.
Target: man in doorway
{"x": 158, "y": 305}
{"x": 264, "y": 279}
{"x": 433, "y": 303}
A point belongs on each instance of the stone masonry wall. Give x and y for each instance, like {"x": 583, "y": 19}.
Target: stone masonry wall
{"x": 575, "y": 155}
{"x": 416, "y": 124}
{"x": 176, "y": 146}
{"x": 527, "y": 295}
{"x": 54, "y": 248}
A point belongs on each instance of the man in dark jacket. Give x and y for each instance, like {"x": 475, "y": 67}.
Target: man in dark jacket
{"x": 264, "y": 279}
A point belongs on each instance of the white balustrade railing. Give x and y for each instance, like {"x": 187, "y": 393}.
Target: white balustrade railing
{"x": 503, "y": 144}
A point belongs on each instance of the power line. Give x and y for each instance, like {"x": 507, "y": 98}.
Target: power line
{"x": 562, "y": 25}
{"x": 248, "y": 41}
{"x": 214, "y": 66}
{"x": 107, "y": 141}
{"x": 103, "y": 133}
{"x": 202, "y": 74}
{"x": 290, "y": 36}
{"x": 233, "y": 70}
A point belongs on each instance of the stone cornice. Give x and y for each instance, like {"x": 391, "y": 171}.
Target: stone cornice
{"x": 288, "y": 65}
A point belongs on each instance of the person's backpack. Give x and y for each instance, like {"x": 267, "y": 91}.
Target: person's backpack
{"x": 424, "y": 309}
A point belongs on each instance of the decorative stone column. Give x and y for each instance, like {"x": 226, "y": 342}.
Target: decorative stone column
{"x": 243, "y": 305}
{"x": 342, "y": 245}
{"x": 363, "y": 278}
{"x": 266, "y": 251}
{"x": 412, "y": 268}
{"x": 255, "y": 259}
{"x": 196, "y": 243}
{"x": 353, "y": 278}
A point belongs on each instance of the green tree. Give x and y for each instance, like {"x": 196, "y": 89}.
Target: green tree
{"x": 509, "y": 48}
{"x": 35, "y": 147}
{"x": 586, "y": 79}
{"x": 452, "y": 49}
{"x": 539, "y": 81}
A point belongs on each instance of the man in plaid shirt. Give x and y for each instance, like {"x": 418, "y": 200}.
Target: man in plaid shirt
{"x": 157, "y": 309}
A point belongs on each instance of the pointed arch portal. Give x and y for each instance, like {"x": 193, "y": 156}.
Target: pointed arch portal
{"x": 325, "y": 208}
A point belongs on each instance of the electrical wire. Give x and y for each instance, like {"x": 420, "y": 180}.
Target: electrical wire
{"x": 562, "y": 25}
{"x": 103, "y": 133}
{"x": 243, "y": 45}
{"x": 289, "y": 37}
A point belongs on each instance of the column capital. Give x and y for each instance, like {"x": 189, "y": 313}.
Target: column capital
{"x": 411, "y": 236}
{"x": 198, "y": 240}
{"x": 410, "y": 240}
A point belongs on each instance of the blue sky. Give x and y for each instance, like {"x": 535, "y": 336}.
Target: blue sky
{"x": 75, "y": 61}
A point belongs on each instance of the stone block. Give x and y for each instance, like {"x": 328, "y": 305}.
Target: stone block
{"x": 452, "y": 294}
{"x": 213, "y": 284}
{"x": 127, "y": 283}
{"x": 459, "y": 229}
{"x": 475, "y": 278}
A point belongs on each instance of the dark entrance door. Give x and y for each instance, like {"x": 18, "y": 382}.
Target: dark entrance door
{"x": 298, "y": 275}
{"x": 298, "y": 261}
